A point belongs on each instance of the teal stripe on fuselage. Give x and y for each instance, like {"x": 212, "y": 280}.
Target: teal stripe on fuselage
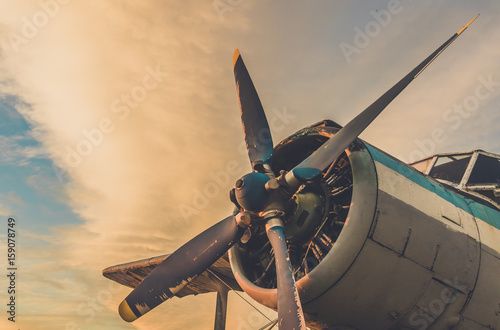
{"x": 480, "y": 211}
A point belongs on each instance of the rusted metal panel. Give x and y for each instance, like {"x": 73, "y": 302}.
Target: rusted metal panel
{"x": 132, "y": 273}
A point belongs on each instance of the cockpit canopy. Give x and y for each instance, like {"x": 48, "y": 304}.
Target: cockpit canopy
{"x": 476, "y": 172}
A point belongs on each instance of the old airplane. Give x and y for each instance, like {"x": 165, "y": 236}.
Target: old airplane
{"x": 334, "y": 233}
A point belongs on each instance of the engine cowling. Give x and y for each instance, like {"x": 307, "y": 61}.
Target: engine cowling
{"x": 329, "y": 223}
{"x": 375, "y": 245}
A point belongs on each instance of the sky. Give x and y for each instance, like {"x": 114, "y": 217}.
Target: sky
{"x": 120, "y": 134}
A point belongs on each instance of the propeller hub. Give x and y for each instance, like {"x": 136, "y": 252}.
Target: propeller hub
{"x": 240, "y": 184}
{"x": 251, "y": 191}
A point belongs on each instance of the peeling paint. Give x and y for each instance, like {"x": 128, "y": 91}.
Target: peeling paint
{"x": 142, "y": 308}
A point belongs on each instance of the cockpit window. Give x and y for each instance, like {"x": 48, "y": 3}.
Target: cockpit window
{"x": 486, "y": 170}
{"x": 476, "y": 173}
{"x": 422, "y": 165}
{"x": 450, "y": 168}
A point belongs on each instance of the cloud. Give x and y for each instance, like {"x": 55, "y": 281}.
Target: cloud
{"x": 6, "y": 202}
{"x": 135, "y": 104}
{"x": 11, "y": 196}
{"x": 126, "y": 101}
{"x": 14, "y": 153}
{"x": 4, "y": 211}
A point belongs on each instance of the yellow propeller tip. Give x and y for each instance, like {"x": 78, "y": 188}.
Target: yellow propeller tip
{"x": 235, "y": 56}
{"x": 466, "y": 25}
{"x": 126, "y": 313}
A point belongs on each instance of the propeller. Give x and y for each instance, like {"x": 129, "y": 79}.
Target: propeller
{"x": 182, "y": 266}
{"x": 252, "y": 194}
{"x": 313, "y": 165}
{"x": 255, "y": 127}
{"x": 261, "y": 199}
{"x": 290, "y": 315}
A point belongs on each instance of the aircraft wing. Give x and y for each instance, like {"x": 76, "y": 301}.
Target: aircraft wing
{"x": 132, "y": 273}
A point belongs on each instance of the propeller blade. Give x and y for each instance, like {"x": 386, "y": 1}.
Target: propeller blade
{"x": 290, "y": 315}
{"x": 175, "y": 272}
{"x": 313, "y": 165}
{"x": 255, "y": 127}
